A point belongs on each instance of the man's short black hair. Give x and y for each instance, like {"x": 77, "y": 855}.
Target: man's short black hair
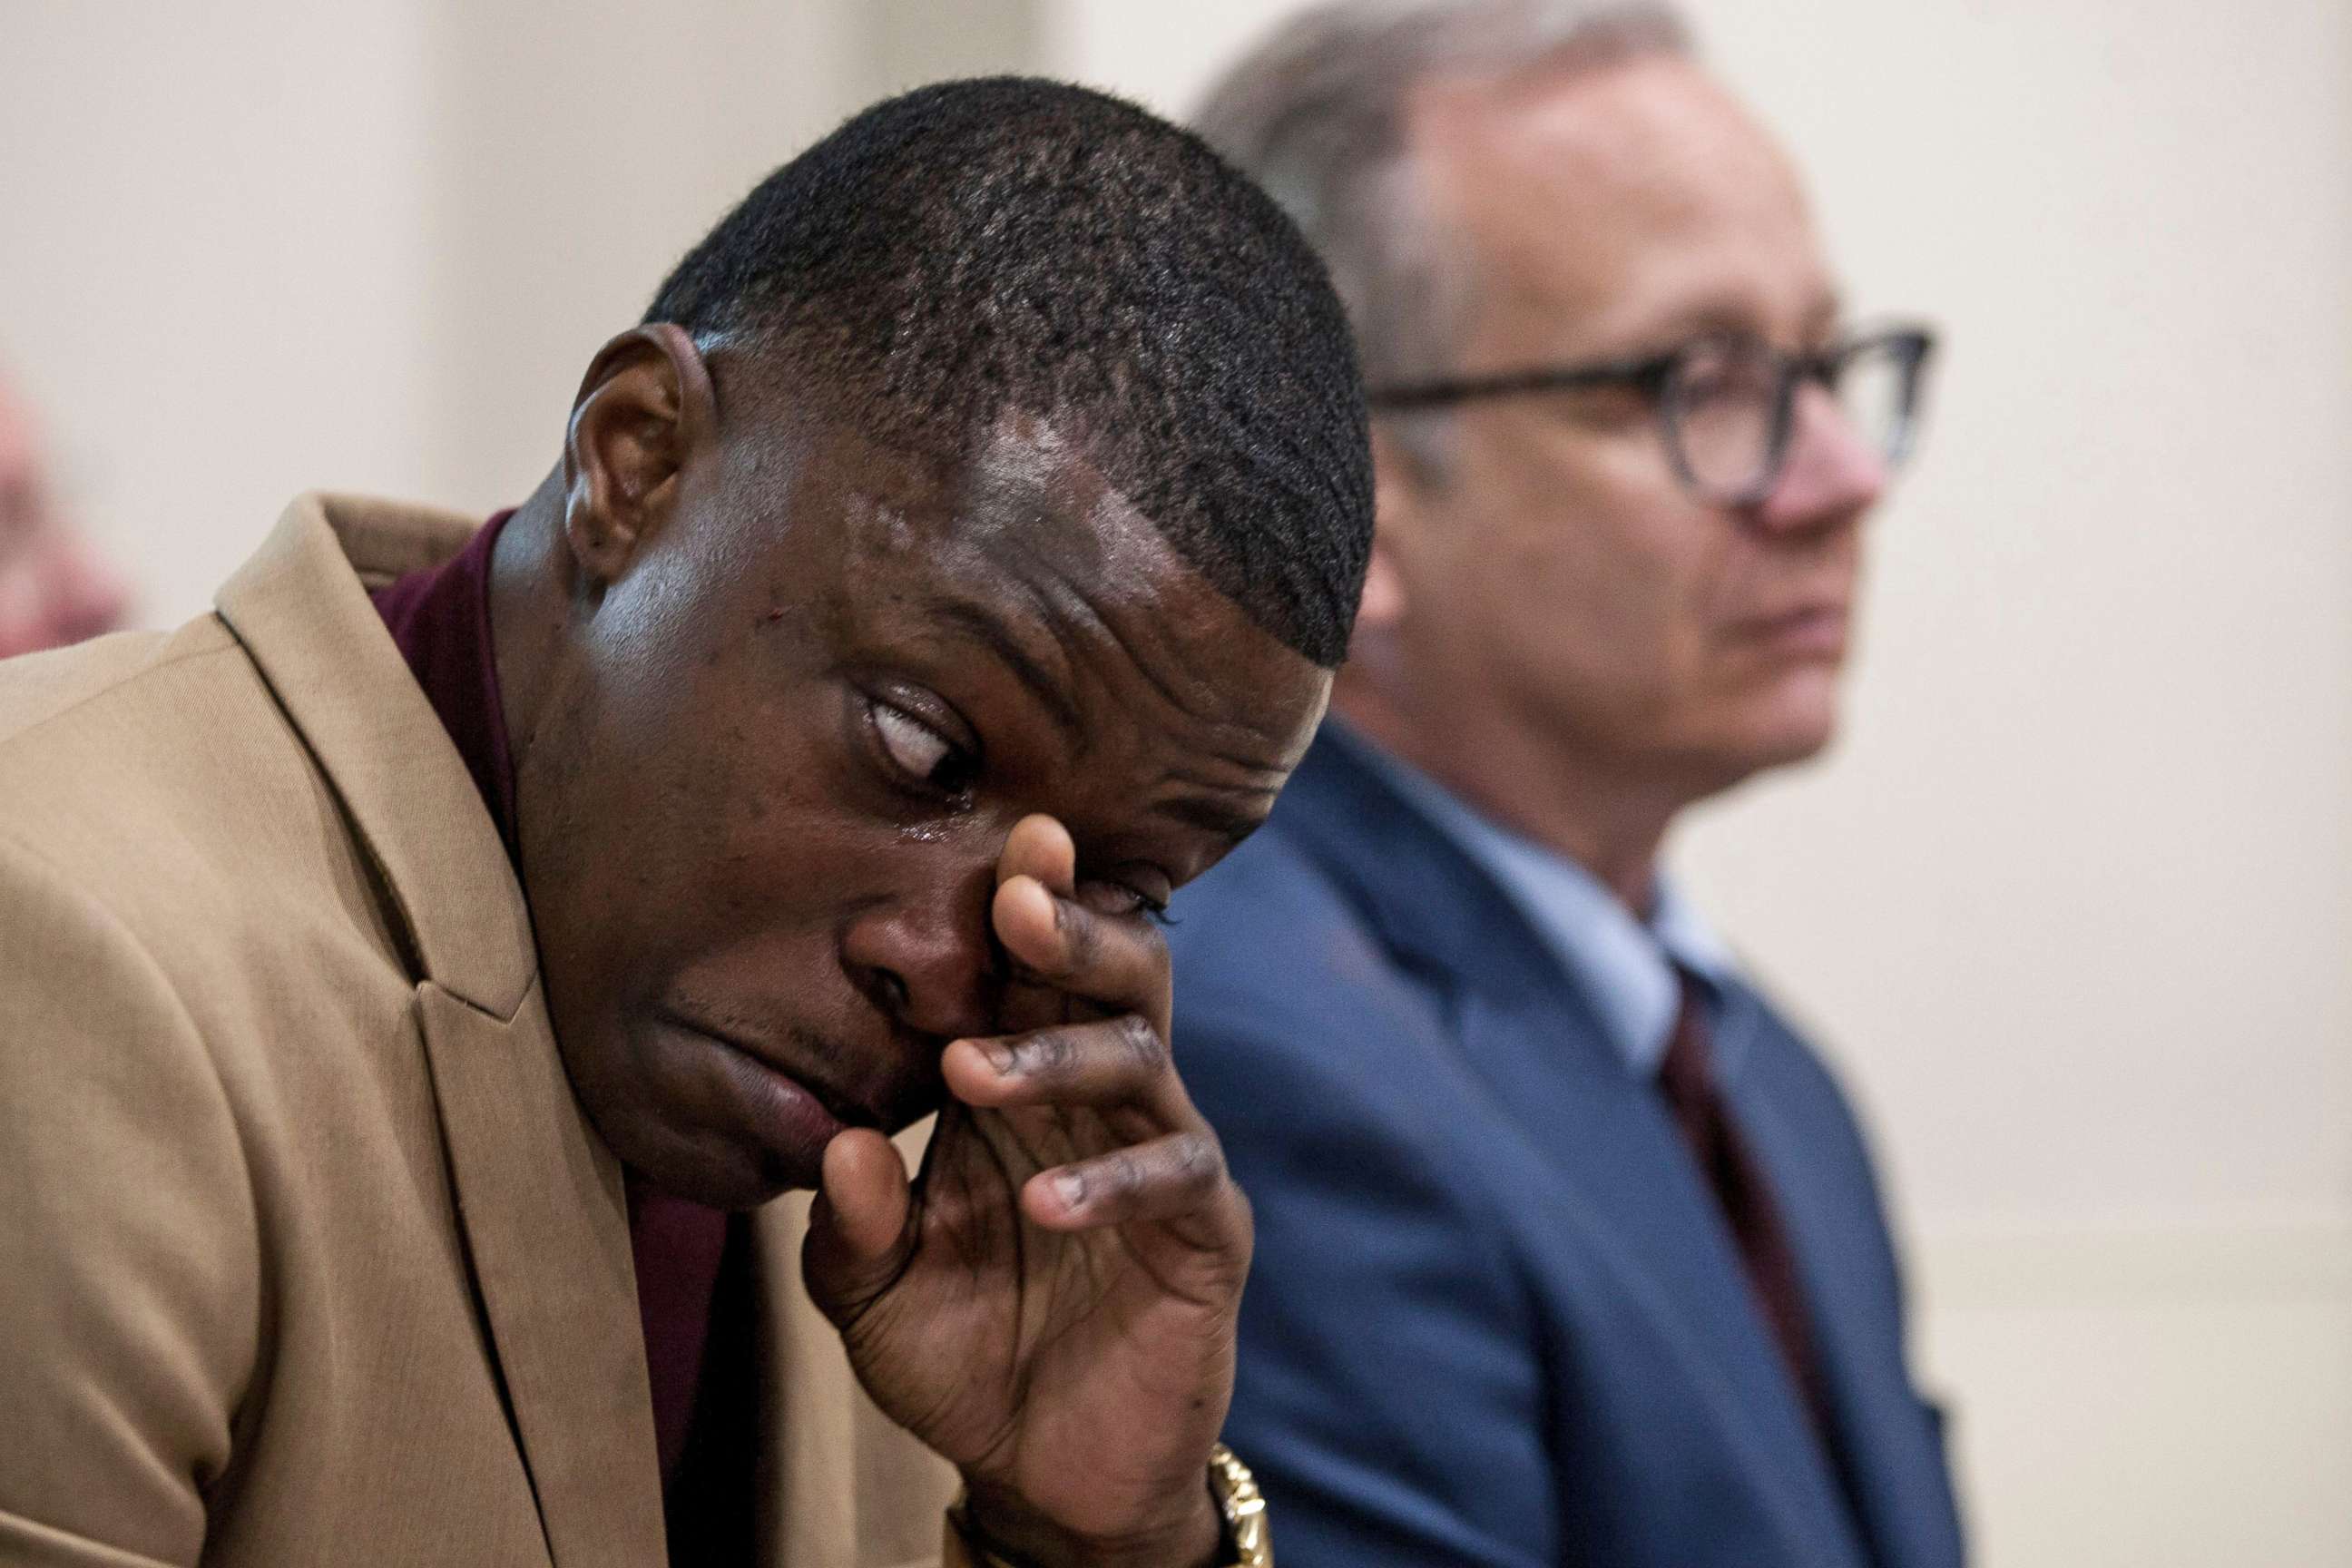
{"x": 1009, "y": 244}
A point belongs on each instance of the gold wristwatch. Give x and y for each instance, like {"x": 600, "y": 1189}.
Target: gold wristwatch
{"x": 1239, "y": 1503}
{"x": 1247, "y": 1544}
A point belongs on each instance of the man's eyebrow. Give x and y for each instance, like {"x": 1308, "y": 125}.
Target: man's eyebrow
{"x": 983, "y": 626}
{"x": 1233, "y": 822}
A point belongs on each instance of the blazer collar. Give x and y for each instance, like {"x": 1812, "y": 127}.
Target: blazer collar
{"x": 301, "y": 608}
{"x": 539, "y": 1195}
{"x": 1427, "y": 899}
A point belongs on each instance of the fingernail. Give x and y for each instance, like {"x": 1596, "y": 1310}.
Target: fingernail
{"x": 999, "y": 1055}
{"x": 1071, "y": 1187}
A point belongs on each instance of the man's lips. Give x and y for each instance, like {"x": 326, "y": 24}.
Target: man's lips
{"x": 1808, "y": 631}
{"x": 795, "y": 1109}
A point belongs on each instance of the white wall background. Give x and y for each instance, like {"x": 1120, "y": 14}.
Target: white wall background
{"x": 2074, "y": 903}
{"x": 260, "y": 247}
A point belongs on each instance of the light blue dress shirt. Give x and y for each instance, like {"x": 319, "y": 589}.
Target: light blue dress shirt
{"x": 1625, "y": 966}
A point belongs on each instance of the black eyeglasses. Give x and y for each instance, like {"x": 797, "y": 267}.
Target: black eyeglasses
{"x": 1726, "y": 403}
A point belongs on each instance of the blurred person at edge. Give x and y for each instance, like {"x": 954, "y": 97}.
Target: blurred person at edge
{"x": 53, "y": 592}
{"x": 1571, "y": 1249}
{"x": 456, "y": 998}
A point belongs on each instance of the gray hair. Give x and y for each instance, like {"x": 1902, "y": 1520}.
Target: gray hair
{"x": 1317, "y": 114}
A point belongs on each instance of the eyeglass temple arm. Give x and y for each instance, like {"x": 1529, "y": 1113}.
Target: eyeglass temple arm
{"x": 1642, "y": 376}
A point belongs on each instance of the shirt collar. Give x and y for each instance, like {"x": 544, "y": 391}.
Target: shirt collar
{"x": 1625, "y": 966}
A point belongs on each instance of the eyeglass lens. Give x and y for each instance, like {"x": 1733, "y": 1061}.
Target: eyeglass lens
{"x": 1723, "y": 405}
{"x": 1876, "y": 389}
{"x": 1728, "y": 406}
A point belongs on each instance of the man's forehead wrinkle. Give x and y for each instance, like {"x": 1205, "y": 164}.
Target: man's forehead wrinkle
{"x": 1002, "y": 560}
{"x": 1053, "y": 690}
{"x": 1254, "y": 772}
{"x": 1111, "y": 589}
{"x": 1027, "y": 547}
{"x": 1230, "y": 820}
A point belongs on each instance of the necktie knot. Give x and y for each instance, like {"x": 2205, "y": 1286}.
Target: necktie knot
{"x": 1687, "y": 1071}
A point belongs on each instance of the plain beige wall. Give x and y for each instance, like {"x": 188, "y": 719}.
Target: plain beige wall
{"x": 213, "y": 263}
{"x": 260, "y": 247}
{"x": 2070, "y": 904}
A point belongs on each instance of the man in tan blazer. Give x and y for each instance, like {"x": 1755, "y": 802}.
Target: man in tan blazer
{"x": 949, "y": 568}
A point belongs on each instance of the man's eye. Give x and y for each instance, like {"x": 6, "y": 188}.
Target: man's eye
{"x": 919, "y": 751}
{"x": 1119, "y": 898}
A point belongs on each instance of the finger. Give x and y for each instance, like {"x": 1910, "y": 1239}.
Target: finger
{"x": 861, "y": 1229}
{"x": 1118, "y": 961}
{"x": 1040, "y": 846}
{"x": 1109, "y": 1062}
{"x": 1172, "y": 1177}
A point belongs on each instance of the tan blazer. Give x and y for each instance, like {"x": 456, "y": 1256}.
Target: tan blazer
{"x": 307, "y": 1253}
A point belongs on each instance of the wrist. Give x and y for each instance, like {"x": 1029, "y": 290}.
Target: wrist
{"x": 1187, "y": 1536}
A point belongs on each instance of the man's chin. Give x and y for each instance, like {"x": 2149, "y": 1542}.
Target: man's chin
{"x": 734, "y": 1182}
{"x": 1797, "y": 721}
{"x": 1798, "y": 744}
{"x": 705, "y": 1166}
{"x": 1783, "y": 738}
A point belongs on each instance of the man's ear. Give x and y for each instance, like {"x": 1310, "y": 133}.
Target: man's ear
{"x": 1396, "y": 512}
{"x": 644, "y": 407}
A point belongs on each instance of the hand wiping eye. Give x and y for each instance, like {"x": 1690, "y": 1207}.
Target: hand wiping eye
{"x": 1072, "y": 1220}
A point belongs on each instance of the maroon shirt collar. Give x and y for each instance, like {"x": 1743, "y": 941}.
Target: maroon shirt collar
{"x": 439, "y": 618}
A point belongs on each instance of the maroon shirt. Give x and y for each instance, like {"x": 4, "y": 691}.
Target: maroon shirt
{"x": 696, "y": 1297}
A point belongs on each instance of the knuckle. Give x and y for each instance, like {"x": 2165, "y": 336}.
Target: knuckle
{"x": 1199, "y": 1163}
{"x": 1146, "y": 1051}
{"x": 1048, "y": 1053}
{"x": 1122, "y": 1174}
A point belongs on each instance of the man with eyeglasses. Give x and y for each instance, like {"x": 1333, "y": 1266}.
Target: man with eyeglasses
{"x": 1570, "y": 1250}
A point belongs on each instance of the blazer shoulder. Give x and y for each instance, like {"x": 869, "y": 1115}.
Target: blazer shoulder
{"x": 160, "y": 779}
{"x": 1281, "y": 978}
{"x": 41, "y": 688}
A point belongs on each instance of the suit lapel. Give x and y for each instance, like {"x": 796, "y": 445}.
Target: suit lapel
{"x": 546, "y": 1225}
{"x": 1629, "y": 1193}
{"x": 1887, "y": 1438}
{"x": 1624, "y": 1184}
{"x": 539, "y": 1197}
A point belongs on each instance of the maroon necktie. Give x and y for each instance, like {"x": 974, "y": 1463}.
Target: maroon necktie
{"x": 1687, "y": 1078}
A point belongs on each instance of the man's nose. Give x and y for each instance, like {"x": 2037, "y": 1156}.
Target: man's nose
{"x": 927, "y": 958}
{"x": 1834, "y": 473}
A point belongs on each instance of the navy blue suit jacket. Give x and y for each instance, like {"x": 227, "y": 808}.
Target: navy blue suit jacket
{"x": 1496, "y": 1316}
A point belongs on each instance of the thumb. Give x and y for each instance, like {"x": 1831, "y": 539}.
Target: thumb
{"x": 862, "y": 1227}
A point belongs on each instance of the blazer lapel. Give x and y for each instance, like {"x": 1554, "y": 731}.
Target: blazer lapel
{"x": 1625, "y": 1185}
{"x": 538, "y": 1197}
{"x": 546, "y": 1225}
{"x": 1630, "y": 1194}
{"x": 1888, "y": 1439}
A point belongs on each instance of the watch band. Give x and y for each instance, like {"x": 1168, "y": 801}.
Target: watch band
{"x": 1235, "y": 1490}
{"x": 1248, "y": 1542}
